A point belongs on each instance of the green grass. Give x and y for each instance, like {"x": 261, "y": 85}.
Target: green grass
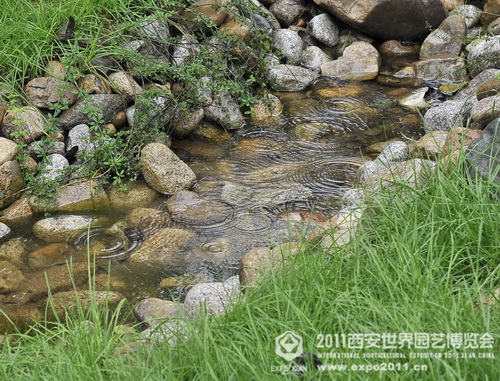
{"x": 420, "y": 265}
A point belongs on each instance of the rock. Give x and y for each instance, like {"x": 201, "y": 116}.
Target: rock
{"x": 55, "y": 69}
{"x": 352, "y": 199}
{"x": 291, "y": 78}
{"x": 23, "y": 125}
{"x": 459, "y": 137}
{"x": 432, "y": 144}
{"x": 183, "y": 280}
{"x": 188, "y": 123}
{"x": 211, "y": 133}
{"x": 468, "y": 92}
{"x": 11, "y": 183}
{"x": 14, "y": 251}
{"x": 171, "y": 333}
{"x": 8, "y": 150}
{"x": 396, "y": 55}
{"x": 77, "y": 197}
{"x": 137, "y": 215}
{"x": 412, "y": 172}
{"x": 237, "y": 28}
{"x": 225, "y": 112}
{"x": 164, "y": 171}
{"x": 215, "y": 10}
{"x": 214, "y": 298}
{"x": 61, "y": 228}
{"x": 155, "y": 29}
{"x": 39, "y": 148}
{"x": 53, "y": 168}
{"x": 415, "y": 99}
{"x": 447, "y": 115}
{"x": 183, "y": 51}
{"x": 484, "y": 111}
{"x": 10, "y": 277}
{"x": 56, "y": 278}
{"x": 15, "y": 318}
{"x": 137, "y": 193}
{"x": 4, "y": 231}
{"x": 395, "y": 151}
{"x": 448, "y": 38}
{"x": 323, "y": 28}
{"x": 380, "y": 146}
{"x": 484, "y": 55}
{"x": 483, "y": 154}
{"x": 79, "y": 136}
{"x": 340, "y": 92}
{"x": 313, "y": 57}
{"x": 94, "y": 84}
{"x": 74, "y": 301}
{"x": 162, "y": 246}
{"x": 408, "y": 21}
{"x": 289, "y": 43}
{"x": 444, "y": 68}
{"x": 491, "y": 10}
{"x": 154, "y": 311}
{"x": 50, "y": 255}
{"x": 124, "y": 83}
{"x": 45, "y": 92}
{"x": 108, "y": 104}
{"x": 267, "y": 110}
{"x": 287, "y": 12}
{"x": 338, "y": 230}
{"x": 494, "y": 27}
{"x": 360, "y": 62}
{"x": 488, "y": 88}
{"x": 471, "y": 14}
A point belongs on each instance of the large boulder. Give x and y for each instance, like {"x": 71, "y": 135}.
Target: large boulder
{"x": 388, "y": 19}
{"x": 448, "y": 38}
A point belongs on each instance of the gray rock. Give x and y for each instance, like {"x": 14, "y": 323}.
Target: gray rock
{"x": 80, "y": 137}
{"x": 53, "y": 168}
{"x": 471, "y": 13}
{"x": 108, "y": 104}
{"x": 218, "y": 298}
{"x": 323, "y": 28}
{"x": 8, "y": 150}
{"x": 164, "y": 171}
{"x": 287, "y": 12}
{"x": 445, "y": 68}
{"x": 183, "y": 51}
{"x": 415, "y": 99}
{"x": 11, "y": 182}
{"x": 483, "y": 154}
{"x": 60, "y": 228}
{"x": 39, "y": 149}
{"x": 470, "y": 90}
{"x": 4, "y": 231}
{"x": 313, "y": 57}
{"x": 396, "y": 151}
{"x": 484, "y": 55}
{"x": 124, "y": 83}
{"x": 494, "y": 27}
{"x": 154, "y": 311}
{"x": 14, "y": 251}
{"x": 225, "y": 112}
{"x": 137, "y": 193}
{"x": 171, "y": 332}
{"x": 10, "y": 277}
{"x": 27, "y": 120}
{"x": 352, "y": 198}
{"x": 289, "y": 43}
{"x": 360, "y": 62}
{"x": 291, "y": 78}
{"x": 447, "y": 115}
{"x": 485, "y": 111}
{"x": 408, "y": 22}
{"x": 448, "y": 38}
{"x": 44, "y": 92}
{"x": 155, "y": 29}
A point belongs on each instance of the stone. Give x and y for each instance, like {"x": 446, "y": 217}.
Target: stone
{"x": 45, "y": 92}
{"x": 313, "y": 57}
{"x": 108, "y": 104}
{"x": 25, "y": 124}
{"x": 289, "y": 44}
{"x": 61, "y": 228}
{"x": 338, "y": 230}
{"x": 287, "y": 12}
{"x": 459, "y": 137}
{"x": 213, "y": 298}
{"x": 187, "y": 123}
{"x": 50, "y": 255}
{"x": 183, "y": 51}
{"x": 491, "y": 10}
{"x": 137, "y": 193}
{"x": 172, "y": 333}
{"x": 488, "y": 89}
{"x": 80, "y": 136}
{"x": 494, "y": 27}
{"x": 55, "y": 69}
{"x": 237, "y": 28}
{"x": 53, "y": 167}
{"x": 291, "y": 78}
{"x": 483, "y": 154}
{"x": 164, "y": 171}
{"x": 431, "y": 145}
{"x": 14, "y": 251}
{"x": 395, "y": 151}
{"x": 155, "y": 29}
{"x": 484, "y": 55}
{"x": 471, "y": 89}
{"x": 447, "y": 115}
{"x": 11, "y": 183}
{"x": 77, "y": 197}
{"x": 323, "y": 28}
{"x": 154, "y": 311}
{"x": 224, "y": 111}
{"x": 414, "y": 100}
{"x": 15, "y": 318}
{"x": 444, "y": 68}
{"x": 215, "y": 10}
{"x": 10, "y": 277}
{"x": 4, "y": 231}
{"x": 183, "y": 280}
{"x": 38, "y": 149}
{"x": 162, "y": 246}
{"x": 340, "y": 92}
{"x": 267, "y": 110}
{"x": 360, "y": 62}
{"x": 409, "y": 21}
{"x": 471, "y": 13}
{"x": 448, "y": 38}
{"x": 124, "y": 83}
{"x": 396, "y": 55}
{"x": 484, "y": 111}
{"x": 94, "y": 84}
{"x": 8, "y": 150}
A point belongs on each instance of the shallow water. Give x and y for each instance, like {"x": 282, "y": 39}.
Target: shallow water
{"x": 260, "y": 180}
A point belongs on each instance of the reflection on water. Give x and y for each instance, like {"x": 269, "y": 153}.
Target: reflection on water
{"x": 256, "y": 188}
